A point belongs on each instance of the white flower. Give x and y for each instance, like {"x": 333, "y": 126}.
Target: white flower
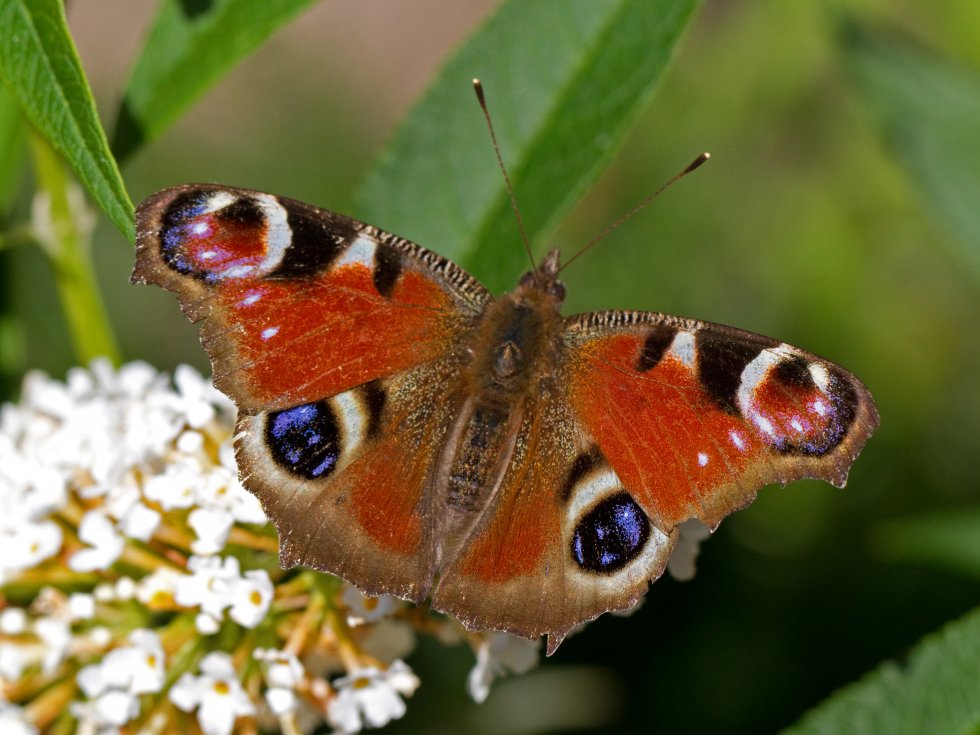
{"x": 222, "y": 500}
{"x": 174, "y": 487}
{"x": 371, "y": 696}
{"x": 26, "y": 545}
{"x": 115, "y": 683}
{"x": 13, "y": 621}
{"x": 12, "y": 662}
{"x": 211, "y": 526}
{"x": 196, "y": 398}
{"x": 106, "y": 544}
{"x": 498, "y": 654}
{"x": 124, "y": 589}
{"x": 283, "y": 673}
{"x": 216, "y": 694}
{"x": 366, "y": 609}
{"x": 139, "y": 521}
{"x": 216, "y": 585}
{"x": 251, "y": 596}
{"x": 229, "y": 491}
{"x": 207, "y": 624}
{"x": 681, "y": 564}
{"x": 81, "y": 606}
{"x": 209, "y": 586}
{"x": 13, "y": 721}
{"x": 112, "y": 708}
{"x": 157, "y": 589}
{"x": 56, "y": 636}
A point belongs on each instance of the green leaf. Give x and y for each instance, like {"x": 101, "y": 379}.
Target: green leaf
{"x": 192, "y": 44}
{"x": 39, "y": 64}
{"x": 948, "y": 540}
{"x": 928, "y": 109}
{"x": 11, "y": 148}
{"x": 936, "y": 691}
{"x": 564, "y": 81}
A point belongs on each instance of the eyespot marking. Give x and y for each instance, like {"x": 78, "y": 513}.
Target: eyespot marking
{"x": 610, "y": 535}
{"x": 215, "y": 235}
{"x": 304, "y": 440}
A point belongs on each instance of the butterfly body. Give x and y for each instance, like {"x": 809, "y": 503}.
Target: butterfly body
{"x": 409, "y": 432}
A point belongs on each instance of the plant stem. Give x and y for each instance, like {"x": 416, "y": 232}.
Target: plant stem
{"x": 61, "y": 222}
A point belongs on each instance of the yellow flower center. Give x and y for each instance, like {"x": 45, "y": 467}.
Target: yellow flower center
{"x": 221, "y": 687}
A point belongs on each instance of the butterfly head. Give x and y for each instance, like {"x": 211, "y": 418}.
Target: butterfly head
{"x": 544, "y": 278}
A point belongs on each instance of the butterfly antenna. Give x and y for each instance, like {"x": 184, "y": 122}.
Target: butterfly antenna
{"x": 478, "y": 88}
{"x": 602, "y": 235}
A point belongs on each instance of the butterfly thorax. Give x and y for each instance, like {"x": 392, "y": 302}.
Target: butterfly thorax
{"x": 513, "y": 360}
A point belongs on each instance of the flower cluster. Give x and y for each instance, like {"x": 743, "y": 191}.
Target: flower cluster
{"x": 139, "y": 583}
{"x": 140, "y": 589}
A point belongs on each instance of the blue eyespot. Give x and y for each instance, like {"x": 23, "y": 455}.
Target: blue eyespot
{"x": 305, "y": 440}
{"x": 610, "y": 535}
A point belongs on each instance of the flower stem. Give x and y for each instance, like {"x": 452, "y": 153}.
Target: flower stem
{"x": 62, "y": 225}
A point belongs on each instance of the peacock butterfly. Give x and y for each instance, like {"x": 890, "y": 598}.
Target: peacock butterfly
{"x": 411, "y": 433}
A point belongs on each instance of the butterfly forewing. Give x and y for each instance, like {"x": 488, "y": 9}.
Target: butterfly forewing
{"x": 695, "y": 417}
{"x": 299, "y": 303}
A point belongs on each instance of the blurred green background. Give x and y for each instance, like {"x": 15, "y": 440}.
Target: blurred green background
{"x": 816, "y": 222}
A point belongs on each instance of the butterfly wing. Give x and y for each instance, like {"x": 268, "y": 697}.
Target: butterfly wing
{"x": 695, "y": 417}
{"x": 529, "y": 565}
{"x": 651, "y": 420}
{"x": 337, "y": 342}
{"x": 298, "y": 303}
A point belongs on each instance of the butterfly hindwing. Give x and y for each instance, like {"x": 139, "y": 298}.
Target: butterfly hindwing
{"x": 299, "y": 303}
{"x": 347, "y": 479}
{"x": 561, "y": 541}
{"x": 695, "y": 417}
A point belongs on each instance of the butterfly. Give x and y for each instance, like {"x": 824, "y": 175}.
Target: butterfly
{"x": 413, "y": 434}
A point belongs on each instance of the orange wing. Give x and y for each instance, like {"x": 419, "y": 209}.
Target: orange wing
{"x": 695, "y": 417}
{"x": 339, "y": 343}
{"x": 559, "y": 543}
{"x": 298, "y": 303}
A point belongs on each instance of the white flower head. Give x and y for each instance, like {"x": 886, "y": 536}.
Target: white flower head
{"x": 27, "y": 545}
{"x": 109, "y": 710}
{"x": 251, "y": 597}
{"x": 157, "y": 589}
{"x": 210, "y": 585}
{"x": 105, "y": 543}
{"x": 13, "y": 721}
{"x": 366, "y": 609}
{"x": 114, "y": 684}
{"x": 81, "y": 606}
{"x": 13, "y": 621}
{"x": 371, "y": 697}
{"x": 283, "y": 673}
{"x": 13, "y": 660}
{"x": 55, "y": 634}
{"x": 196, "y": 398}
{"x": 211, "y": 526}
{"x": 497, "y": 655}
{"x": 175, "y": 487}
{"x": 222, "y": 489}
{"x": 216, "y": 694}
{"x": 139, "y": 521}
